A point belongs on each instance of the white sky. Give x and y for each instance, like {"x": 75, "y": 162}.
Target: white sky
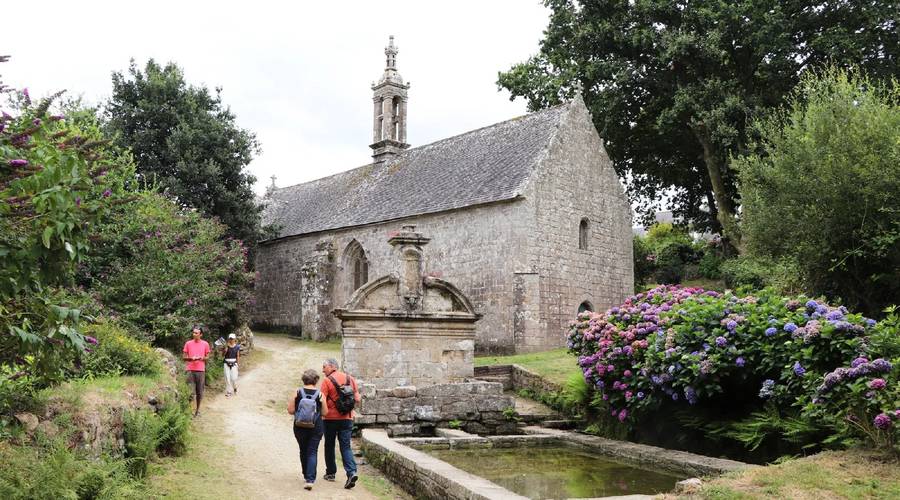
{"x": 298, "y": 74}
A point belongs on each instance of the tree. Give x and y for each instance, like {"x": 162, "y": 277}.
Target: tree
{"x": 822, "y": 188}
{"x": 187, "y": 142}
{"x": 672, "y": 84}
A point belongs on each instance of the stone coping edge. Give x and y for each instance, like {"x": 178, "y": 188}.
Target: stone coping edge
{"x": 679, "y": 462}
{"x": 424, "y": 476}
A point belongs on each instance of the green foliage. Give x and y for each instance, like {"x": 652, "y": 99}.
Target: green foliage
{"x": 822, "y": 189}
{"x": 117, "y": 352}
{"x": 186, "y": 140}
{"x": 17, "y": 389}
{"x": 511, "y": 414}
{"x": 51, "y": 471}
{"x": 754, "y": 273}
{"x": 454, "y": 424}
{"x": 710, "y": 266}
{"x": 672, "y": 85}
{"x": 643, "y": 262}
{"x": 162, "y": 269}
{"x": 58, "y": 178}
{"x": 149, "y": 434}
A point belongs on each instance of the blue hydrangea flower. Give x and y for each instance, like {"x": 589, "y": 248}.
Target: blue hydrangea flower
{"x": 770, "y": 331}
{"x": 740, "y": 362}
{"x": 790, "y": 327}
{"x": 798, "y": 369}
{"x": 731, "y": 325}
{"x": 812, "y": 304}
{"x": 721, "y": 342}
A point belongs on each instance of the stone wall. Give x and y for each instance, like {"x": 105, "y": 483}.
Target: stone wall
{"x": 515, "y": 378}
{"x": 475, "y": 249}
{"x": 404, "y": 411}
{"x": 577, "y": 181}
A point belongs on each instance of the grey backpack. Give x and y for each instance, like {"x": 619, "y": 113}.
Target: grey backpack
{"x": 307, "y": 412}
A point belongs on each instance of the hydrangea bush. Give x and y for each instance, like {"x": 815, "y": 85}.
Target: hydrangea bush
{"x": 689, "y": 346}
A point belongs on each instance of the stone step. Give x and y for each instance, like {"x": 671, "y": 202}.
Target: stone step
{"x": 559, "y": 424}
{"x": 505, "y": 380}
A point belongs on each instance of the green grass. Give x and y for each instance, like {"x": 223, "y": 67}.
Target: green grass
{"x": 844, "y": 474}
{"x": 556, "y": 365}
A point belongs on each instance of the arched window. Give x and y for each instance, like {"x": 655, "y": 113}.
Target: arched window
{"x": 356, "y": 264}
{"x": 585, "y": 307}
{"x": 583, "y": 234}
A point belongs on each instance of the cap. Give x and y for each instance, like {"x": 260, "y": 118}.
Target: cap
{"x": 232, "y": 336}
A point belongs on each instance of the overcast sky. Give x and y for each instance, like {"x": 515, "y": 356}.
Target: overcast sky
{"x": 298, "y": 74}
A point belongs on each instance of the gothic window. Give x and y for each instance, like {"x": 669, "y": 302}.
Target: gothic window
{"x": 583, "y": 235}
{"x": 585, "y": 307}
{"x": 356, "y": 264}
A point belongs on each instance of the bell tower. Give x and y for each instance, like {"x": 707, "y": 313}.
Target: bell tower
{"x": 389, "y": 120}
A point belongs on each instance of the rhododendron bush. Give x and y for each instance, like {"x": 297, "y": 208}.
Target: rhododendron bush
{"x": 689, "y": 348}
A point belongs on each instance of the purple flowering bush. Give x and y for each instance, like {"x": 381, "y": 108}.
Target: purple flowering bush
{"x": 58, "y": 178}
{"x": 683, "y": 349}
{"x": 159, "y": 269}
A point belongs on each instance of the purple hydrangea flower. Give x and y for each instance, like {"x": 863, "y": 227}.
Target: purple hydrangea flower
{"x": 691, "y": 395}
{"x": 740, "y": 362}
{"x": 17, "y": 163}
{"x": 770, "y": 331}
{"x": 798, "y": 369}
{"x": 721, "y": 342}
{"x": 882, "y": 421}
{"x": 870, "y": 322}
{"x": 811, "y": 304}
{"x": 731, "y": 325}
{"x": 881, "y": 365}
{"x": 790, "y": 327}
{"x": 877, "y": 383}
{"x": 107, "y": 193}
{"x": 623, "y": 415}
{"x": 858, "y": 361}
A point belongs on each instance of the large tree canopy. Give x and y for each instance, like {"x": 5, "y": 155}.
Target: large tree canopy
{"x": 187, "y": 142}
{"x": 672, "y": 84}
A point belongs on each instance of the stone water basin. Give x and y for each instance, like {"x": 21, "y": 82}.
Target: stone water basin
{"x": 556, "y": 471}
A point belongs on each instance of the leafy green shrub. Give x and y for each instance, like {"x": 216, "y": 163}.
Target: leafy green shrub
{"x": 710, "y": 265}
{"x": 117, "y": 353}
{"x": 754, "y": 273}
{"x": 142, "y": 430}
{"x": 644, "y": 262}
{"x": 728, "y": 356}
{"x": 58, "y": 178}
{"x": 671, "y": 260}
{"x": 52, "y": 471}
{"x": 17, "y": 389}
{"x": 162, "y": 269}
{"x": 822, "y": 190}
{"x": 174, "y": 431}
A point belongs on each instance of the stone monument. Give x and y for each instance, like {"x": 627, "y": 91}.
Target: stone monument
{"x": 409, "y": 339}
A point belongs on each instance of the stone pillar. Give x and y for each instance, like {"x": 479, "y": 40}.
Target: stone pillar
{"x": 317, "y": 284}
{"x": 526, "y": 311}
{"x": 402, "y": 119}
{"x": 387, "y": 110}
{"x": 376, "y": 123}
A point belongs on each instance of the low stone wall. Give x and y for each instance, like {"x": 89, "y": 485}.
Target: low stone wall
{"x": 424, "y": 476}
{"x": 678, "y": 462}
{"x": 515, "y": 377}
{"x": 407, "y": 410}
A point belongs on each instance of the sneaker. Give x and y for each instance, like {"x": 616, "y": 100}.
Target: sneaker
{"x": 196, "y": 414}
{"x": 351, "y": 482}
{"x": 308, "y": 486}
{"x": 328, "y": 477}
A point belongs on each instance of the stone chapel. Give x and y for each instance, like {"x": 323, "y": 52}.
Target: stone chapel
{"x": 526, "y": 217}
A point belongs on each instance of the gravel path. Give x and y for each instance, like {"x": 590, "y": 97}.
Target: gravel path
{"x": 255, "y": 422}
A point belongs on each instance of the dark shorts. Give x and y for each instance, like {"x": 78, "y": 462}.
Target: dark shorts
{"x": 197, "y": 381}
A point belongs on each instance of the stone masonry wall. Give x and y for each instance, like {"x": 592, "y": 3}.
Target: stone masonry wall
{"x": 577, "y": 181}
{"x": 406, "y": 410}
{"x": 476, "y": 249}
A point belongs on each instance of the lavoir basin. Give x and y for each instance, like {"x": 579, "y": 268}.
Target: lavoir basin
{"x": 556, "y": 471}
{"x": 543, "y": 463}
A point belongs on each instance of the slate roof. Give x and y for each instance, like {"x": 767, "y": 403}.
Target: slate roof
{"x": 482, "y": 166}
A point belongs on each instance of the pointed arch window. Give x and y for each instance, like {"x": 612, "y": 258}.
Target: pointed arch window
{"x": 356, "y": 264}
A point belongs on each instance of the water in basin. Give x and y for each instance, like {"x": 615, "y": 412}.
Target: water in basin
{"x": 556, "y": 472}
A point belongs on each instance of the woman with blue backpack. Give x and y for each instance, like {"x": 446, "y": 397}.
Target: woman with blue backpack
{"x": 307, "y": 408}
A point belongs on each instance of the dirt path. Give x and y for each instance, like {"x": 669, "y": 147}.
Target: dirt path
{"x": 255, "y": 422}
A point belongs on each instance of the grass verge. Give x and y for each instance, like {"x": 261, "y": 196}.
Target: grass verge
{"x": 831, "y": 474}
{"x": 556, "y": 365}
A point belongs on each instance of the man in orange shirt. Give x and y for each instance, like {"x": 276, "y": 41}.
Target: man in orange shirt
{"x": 338, "y": 425}
{"x": 196, "y": 352}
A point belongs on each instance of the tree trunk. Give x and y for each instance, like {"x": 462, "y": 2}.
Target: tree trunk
{"x": 724, "y": 207}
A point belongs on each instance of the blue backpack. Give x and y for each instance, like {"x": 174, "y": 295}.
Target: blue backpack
{"x": 307, "y": 412}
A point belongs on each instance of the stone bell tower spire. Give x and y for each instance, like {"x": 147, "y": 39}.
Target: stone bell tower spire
{"x": 389, "y": 126}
